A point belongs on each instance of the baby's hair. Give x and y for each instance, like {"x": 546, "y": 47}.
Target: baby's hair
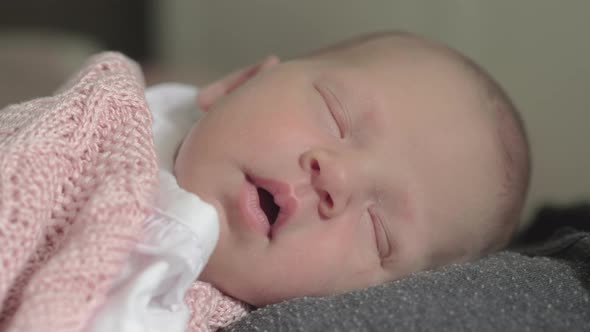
{"x": 513, "y": 141}
{"x": 515, "y": 150}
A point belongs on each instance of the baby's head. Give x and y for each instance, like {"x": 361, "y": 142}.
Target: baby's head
{"x": 384, "y": 155}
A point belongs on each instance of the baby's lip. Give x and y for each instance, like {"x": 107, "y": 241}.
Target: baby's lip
{"x": 283, "y": 197}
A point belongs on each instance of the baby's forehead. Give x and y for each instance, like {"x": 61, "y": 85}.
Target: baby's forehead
{"x": 387, "y": 48}
{"x": 417, "y": 58}
{"x": 410, "y": 74}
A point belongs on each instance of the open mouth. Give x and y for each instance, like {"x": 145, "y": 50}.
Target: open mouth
{"x": 267, "y": 204}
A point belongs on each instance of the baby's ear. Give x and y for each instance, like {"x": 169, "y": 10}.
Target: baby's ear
{"x": 212, "y": 92}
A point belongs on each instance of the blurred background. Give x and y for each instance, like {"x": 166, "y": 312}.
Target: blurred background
{"x": 539, "y": 50}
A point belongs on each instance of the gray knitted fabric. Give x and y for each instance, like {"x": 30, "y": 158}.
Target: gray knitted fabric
{"x": 542, "y": 288}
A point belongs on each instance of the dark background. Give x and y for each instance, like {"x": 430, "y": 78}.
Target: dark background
{"x": 117, "y": 25}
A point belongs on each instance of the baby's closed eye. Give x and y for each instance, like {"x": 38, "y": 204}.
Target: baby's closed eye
{"x": 382, "y": 239}
{"x": 335, "y": 109}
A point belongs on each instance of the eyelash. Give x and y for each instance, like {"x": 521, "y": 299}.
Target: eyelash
{"x": 339, "y": 123}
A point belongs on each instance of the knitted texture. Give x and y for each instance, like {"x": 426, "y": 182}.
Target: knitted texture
{"x": 77, "y": 178}
{"x": 210, "y": 309}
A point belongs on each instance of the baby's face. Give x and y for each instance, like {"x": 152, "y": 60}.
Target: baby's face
{"x": 361, "y": 158}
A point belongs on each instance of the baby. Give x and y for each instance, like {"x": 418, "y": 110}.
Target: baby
{"x": 358, "y": 164}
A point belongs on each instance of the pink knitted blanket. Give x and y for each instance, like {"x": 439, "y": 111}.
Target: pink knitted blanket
{"x": 77, "y": 180}
{"x": 77, "y": 176}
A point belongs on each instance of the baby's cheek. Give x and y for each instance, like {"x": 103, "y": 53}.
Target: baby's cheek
{"x": 344, "y": 246}
{"x": 182, "y": 162}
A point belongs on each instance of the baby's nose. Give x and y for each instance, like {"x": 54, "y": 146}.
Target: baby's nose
{"x": 330, "y": 178}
